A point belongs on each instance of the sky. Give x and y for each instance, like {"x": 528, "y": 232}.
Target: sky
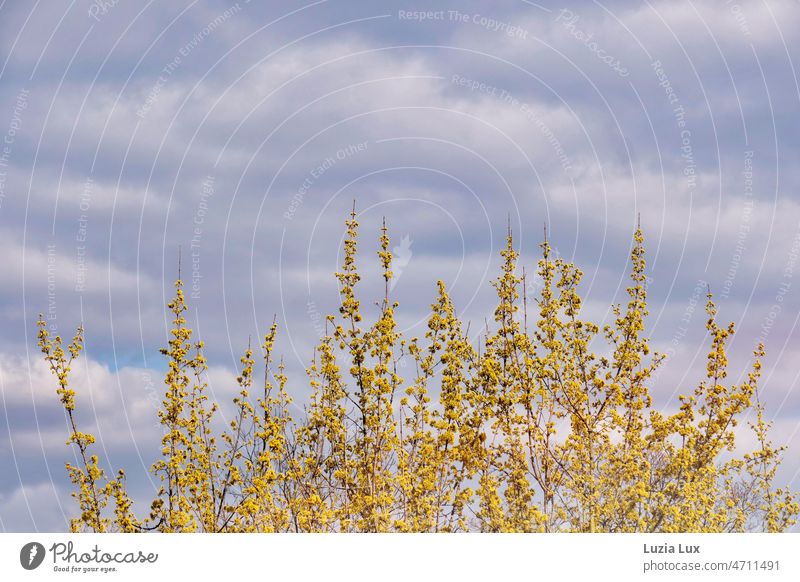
{"x": 239, "y": 134}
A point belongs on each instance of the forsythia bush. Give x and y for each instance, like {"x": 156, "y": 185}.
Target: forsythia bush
{"x": 532, "y": 432}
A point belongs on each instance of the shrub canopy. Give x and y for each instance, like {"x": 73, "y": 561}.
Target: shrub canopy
{"x": 532, "y": 431}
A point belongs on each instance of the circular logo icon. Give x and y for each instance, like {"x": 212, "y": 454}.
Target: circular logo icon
{"x": 31, "y": 555}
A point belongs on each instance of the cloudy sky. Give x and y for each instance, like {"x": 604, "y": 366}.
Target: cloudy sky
{"x": 241, "y": 132}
